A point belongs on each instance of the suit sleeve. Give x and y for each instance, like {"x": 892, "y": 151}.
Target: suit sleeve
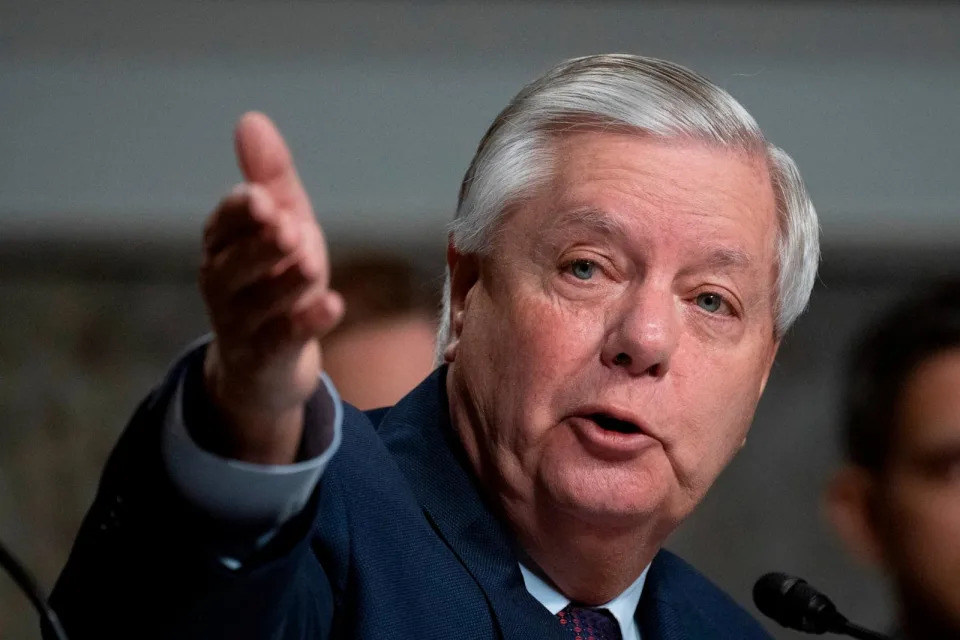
{"x": 239, "y": 492}
{"x": 149, "y": 563}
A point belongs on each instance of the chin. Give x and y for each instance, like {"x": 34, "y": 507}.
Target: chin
{"x": 604, "y": 495}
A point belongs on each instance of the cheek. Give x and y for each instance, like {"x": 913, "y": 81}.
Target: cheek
{"x": 546, "y": 336}
{"x": 717, "y": 407}
{"x": 526, "y": 346}
{"x": 933, "y": 515}
{"x": 923, "y": 528}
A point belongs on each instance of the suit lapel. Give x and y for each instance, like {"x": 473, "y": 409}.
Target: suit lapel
{"x": 419, "y": 435}
{"x": 658, "y": 614}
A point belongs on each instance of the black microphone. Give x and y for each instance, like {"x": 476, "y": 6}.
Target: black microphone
{"x": 796, "y": 605}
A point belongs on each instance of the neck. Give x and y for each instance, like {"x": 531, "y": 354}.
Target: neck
{"x": 590, "y": 560}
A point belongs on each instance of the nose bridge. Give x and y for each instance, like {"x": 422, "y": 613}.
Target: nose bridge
{"x": 644, "y": 334}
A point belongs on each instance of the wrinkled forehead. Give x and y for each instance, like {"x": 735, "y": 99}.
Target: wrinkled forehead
{"x": 545, "y": 134}
{"x": 585, "y": 168}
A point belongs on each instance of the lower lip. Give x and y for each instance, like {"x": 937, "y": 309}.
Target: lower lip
{"x": 609, "y": 445}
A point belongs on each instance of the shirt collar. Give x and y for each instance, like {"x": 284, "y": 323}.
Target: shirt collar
{"x": 623, "y": 607}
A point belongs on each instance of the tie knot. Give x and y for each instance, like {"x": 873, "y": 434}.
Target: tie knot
{"x": 584, "y": 623}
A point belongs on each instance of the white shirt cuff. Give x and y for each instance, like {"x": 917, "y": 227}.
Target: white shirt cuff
{"x": 243, "y": 491}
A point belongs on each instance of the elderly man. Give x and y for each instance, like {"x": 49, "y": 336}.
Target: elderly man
{"x": 627, "y": 253}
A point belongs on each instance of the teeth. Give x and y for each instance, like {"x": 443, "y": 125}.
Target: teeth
{"x": 613, "y": 424}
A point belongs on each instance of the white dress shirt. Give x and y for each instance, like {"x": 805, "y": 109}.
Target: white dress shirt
{"x": 272, "y": 494}
{"x": 623, "y": 607}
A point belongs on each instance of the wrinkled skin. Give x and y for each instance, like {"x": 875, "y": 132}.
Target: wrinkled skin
{"x": 639, "y": 283}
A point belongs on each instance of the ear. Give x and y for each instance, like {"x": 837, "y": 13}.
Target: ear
{"x": 464, "y": 272}
{"x": 850, "y": 506}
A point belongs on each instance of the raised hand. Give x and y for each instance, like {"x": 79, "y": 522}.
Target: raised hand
{"x": 264, "y": 279}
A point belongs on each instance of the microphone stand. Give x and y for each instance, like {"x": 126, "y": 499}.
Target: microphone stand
{"x": 848, "y": 628}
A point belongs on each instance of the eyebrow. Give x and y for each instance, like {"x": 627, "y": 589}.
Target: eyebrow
{"x": 592, "y": 219}
{"x": 724, "y": 257}
{"x": 596, "y": 220}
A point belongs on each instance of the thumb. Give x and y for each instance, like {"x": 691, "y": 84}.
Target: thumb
{"x": 265, "y": 159}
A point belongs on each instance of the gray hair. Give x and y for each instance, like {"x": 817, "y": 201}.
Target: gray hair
{"x": 655, "y": 97}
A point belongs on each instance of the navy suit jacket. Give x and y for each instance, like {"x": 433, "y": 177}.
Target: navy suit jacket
{"x": 397, "y": 542}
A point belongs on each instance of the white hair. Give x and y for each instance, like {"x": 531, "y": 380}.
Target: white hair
{"x": 656, "y": 98}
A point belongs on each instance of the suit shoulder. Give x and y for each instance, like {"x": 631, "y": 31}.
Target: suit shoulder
{"x": 681, "y": 586}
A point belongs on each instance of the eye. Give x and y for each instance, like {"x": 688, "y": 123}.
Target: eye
{"x": 582, "y": 269}
{"x": 711, "y": 302}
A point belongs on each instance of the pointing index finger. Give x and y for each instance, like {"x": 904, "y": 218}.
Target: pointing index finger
{"x": 265, "y": 159}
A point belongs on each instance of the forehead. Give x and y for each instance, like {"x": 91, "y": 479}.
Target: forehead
{"x": 630, "y": 186}
{"x": 930, "y": 401}
{"x": 685, "y": 175}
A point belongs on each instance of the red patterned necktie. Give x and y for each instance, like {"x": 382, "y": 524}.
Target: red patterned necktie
{"x": 582, "y": 623}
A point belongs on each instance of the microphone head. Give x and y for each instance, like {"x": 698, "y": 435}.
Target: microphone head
{"x": 795, "y": 604}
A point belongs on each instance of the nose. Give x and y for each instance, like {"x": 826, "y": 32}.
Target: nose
{"x": 642, "y": 335}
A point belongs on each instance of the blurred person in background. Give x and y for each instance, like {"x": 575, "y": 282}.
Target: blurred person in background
{"x": 627, "y": 253}
{"x": 386, "y": 342}
{"x": 896, "y": 503}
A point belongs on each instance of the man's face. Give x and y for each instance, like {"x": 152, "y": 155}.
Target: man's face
{"x": 919, "y": 495}
{"x": 610, "y": 351}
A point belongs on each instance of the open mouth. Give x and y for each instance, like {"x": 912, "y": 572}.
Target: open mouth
{"x": 609, "y": 423}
